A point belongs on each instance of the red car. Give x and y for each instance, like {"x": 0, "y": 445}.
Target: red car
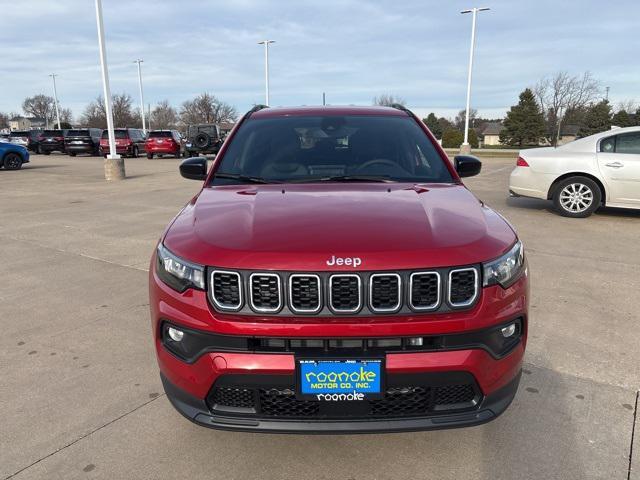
{"x": 335, "y": 275}
{"x": 164, "y": 142}
{"x": 130, "y": 142}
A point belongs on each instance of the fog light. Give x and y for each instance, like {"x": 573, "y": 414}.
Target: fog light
{"x": 415, "y": 342}
{"x": 509, "y": 330}
{"x": 175, "y": 334}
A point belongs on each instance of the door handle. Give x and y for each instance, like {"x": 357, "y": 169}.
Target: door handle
{"x": 614, "y": 165}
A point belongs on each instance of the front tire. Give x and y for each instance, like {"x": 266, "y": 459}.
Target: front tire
{"x": 134, "y": 152}
{"x": 150, "y": 156}
{"x": 577, "y": 197}
{"x": 72, "y": 154}
{"x": 12, "y": 161}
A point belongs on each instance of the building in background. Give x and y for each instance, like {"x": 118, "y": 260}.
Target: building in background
{"x": 490, "y": 134}
{"x": 27, "y": 123}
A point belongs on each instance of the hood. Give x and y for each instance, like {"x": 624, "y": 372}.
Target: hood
{"x": 301, "y": 227}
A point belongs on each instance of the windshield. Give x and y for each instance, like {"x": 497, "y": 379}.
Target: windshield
{"x": 117, "y": 134}
{"x": 331, "y": 148}
{"x": 78, "y": 133}
{"x": 164, "y": 134}
{"x": 52, "y": 133}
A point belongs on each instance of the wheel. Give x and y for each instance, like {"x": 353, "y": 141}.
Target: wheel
{"x": 46, "y": 152}
{"x": 12, "y": 161}
{"x": 577, "y": 197}
{"x": 149, "y": 155}
{"x": 178, "y": 154}
{"x": 72, "y": 154}
{"x": 134, "y": 152}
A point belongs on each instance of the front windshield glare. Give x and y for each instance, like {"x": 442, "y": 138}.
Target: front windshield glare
{"x": 301, "y": 149}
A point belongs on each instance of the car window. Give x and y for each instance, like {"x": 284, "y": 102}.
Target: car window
{"x": 301, "y": 148}
{"x": 117, "y": 134}
{"x": 162, "y": 134}
{"x": 608, "y": 145}
{"x": 628, "y": 143}
{"x": 78, "y": 133}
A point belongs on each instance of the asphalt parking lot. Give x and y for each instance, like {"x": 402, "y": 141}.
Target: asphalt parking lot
{"x": 80, "y": 391}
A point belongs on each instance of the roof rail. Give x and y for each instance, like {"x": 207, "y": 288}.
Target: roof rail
{"x": 399, "y": 106}
{"x": 256, "y": 108}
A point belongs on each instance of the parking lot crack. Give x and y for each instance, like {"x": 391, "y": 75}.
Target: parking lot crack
{"x": 82, "y": 437}
{"x": 633, "y": 433}
{"x": 83, "y": 255}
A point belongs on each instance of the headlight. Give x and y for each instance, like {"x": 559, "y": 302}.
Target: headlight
{"x": 506, "y": 269}
{"x": 178, "y": 273}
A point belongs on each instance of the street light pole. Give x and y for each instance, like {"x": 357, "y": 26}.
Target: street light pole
{"x": 113, "y": 164}
{"x": 55, "y": 97}
{"x": 266, "y": 68}
{"x": 144, "y": 126}
{"x": 465, "y": 145}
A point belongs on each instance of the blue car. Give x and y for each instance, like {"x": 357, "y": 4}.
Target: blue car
{"x": 12, "y": 156}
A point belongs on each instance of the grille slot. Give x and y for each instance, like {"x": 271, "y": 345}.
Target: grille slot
{"x": 283, "y": 403}
{"x": 345, "y": 293}
{"x": 226, "y": 290}
{"x": 304, "y": 293}
{"x": 463, "y": 287}
{"x": 385, "y": 292}
{"x": 424, "y": 290}
{"x": 265, "y": 293}
{"x": 448, "y": 395}
{"x": 402, "y": 401}
{"x": 233, "y": 397}
{"x": 268, "y": 400}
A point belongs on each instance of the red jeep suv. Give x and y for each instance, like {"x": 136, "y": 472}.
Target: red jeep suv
{"x": 335, "y": 275}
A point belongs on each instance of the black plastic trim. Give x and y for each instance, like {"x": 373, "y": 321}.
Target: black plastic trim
{"x": 196, "y": 410}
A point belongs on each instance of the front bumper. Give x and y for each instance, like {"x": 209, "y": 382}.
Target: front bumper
{"x": 189, "y": 384}
{"x": 197, "y": 411}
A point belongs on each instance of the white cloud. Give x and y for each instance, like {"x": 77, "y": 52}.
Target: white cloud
{"x": 352, "y": 50}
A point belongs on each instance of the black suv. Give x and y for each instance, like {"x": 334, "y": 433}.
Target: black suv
{"x": 203, "y": 138}
{"x": 85, "y": 140}
{"x": 52, "y": 141}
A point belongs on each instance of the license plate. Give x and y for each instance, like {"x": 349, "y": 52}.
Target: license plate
{"x": 340, "y": 379}
{"x": 76, "y": 141}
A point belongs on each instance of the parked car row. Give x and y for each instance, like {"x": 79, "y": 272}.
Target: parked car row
{"x": 129, "y": 142}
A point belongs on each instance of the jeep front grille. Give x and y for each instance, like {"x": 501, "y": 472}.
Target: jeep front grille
{"x": 226, "y": 289}
{"x": 338, "y": 294}
{"x": 304, "y": 293}
{"x": 463, "y": 287}
{"x": 265, "y": 293}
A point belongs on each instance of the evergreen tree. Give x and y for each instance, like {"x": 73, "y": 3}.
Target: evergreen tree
{"x": 524, "y": 124}
{"x": 622, "y": 119}
{"x": 433, "y": 124}
{"x": 597, "y": 119}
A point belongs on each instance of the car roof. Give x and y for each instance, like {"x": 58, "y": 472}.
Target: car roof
{"x": 328, "y": 110}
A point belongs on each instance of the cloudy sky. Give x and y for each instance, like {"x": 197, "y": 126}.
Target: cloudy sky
{"x": 352, "y": 50}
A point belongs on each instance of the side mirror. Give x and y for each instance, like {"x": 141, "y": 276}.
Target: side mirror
{"x": 467, "y": 165}
{"x": 194, "y": 168}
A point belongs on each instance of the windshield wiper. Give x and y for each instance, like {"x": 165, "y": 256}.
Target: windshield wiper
{"x": 350, "y": 178}
{"x": 243, "y": 178}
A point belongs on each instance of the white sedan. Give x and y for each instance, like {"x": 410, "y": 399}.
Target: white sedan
{"x": 581, "y": 176}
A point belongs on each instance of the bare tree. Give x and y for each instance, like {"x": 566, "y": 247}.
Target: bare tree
{"x": 628, "y": 106}
{"x": 388, "y": 99}
{"x": 4, "y": 120}
{"x": 206, "y": 108}
{"x": 66, "y": 116}
{"x": 40, "y": 106}
{"x": 459, "y": 120}
{"x": 123, "y": 114}
{"x": 164, "y": 116}
{"x": 562, "y": 93}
